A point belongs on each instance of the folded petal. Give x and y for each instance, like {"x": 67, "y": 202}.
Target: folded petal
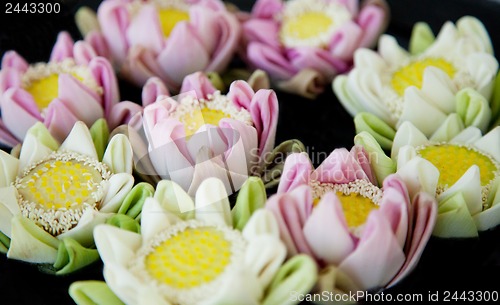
{"x": 490, "y": 143}
{"x": 9, "y": 167}
{"x": 116, "y": 246}
{"x": 372, "y": 19}
{"x": 146, "y": 21}
{"x": 118, "y": 187}
{"x": 407, "y": 134}
{"x": 9, "y": 207}
{"x": 264, "y": 31}
{"x": 79, "y": 140}
{"x": 32, "y": 151}
{"x": 153, "y": 89}
{"x": 19, "y": 111}
{"x": 454, "y": 219}
{"x": 114, "y": 20}
{"x": 266, "y": 9}
{"x": 174, "y": 199}
{"x": 92, "y": 292}
{"x": 297, "y": 171}
{"x": 339, "y": 167}
{"x": 241, "y": 94}
{"x": 83, "y": 231}
{"x": 11, "y": 59}
{"x": 264, "y": 256}
{"x": 270, "y": 60}
{"x": 119, "y": 155}
{"x": 212, "y": 204}
{"x": 155, "y": 219}
{"x": 261, "y": 223}
{"x": 419, "y": 175}
{"x": 63, "y": 48}
{"x": 450, "y": 128}
{"x": 345, "y": 41}
{"x": 316, "y": 59}
{"x": 473, "y": 108}
{"x": 59, "y": 119}
{"x": 199, "y": 83}
{"x": 105, "y": 76}
{"x": 381, "y": 131}
{"x": 469, "y": 185}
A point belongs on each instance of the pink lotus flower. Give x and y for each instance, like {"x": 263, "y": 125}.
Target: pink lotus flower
{"x": 75, "y": 85}
{"x": 165, "y": 38}
{"x": 303, "y": 44}
{"x": 202, "y": 133}
{"x": 363, "y": 237}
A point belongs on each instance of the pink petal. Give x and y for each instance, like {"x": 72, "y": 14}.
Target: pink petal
{"x": 264, "y": 111}
{"x": 199, "y": 83}
{"x": 158, "y": 112}
{"x": 184, "y": 54}
{"x": 214, "y": 5}
{"x": 241, "y": 94}
{"x": 146, "y": 21}
{"x": 270, "y": 60}
{"x": 59, "y": 119}
{"x": 19, "y": 111}
{"x": 327, "y": 233}
{"x": 262, "y": 31}
{"x": 372, "y": 21}
{"x": 297, "y": 171}
{"x": 394, "y": 206}
{"x": 13, "y": 60}
{"x": 105, "y": 76}
{"x": 99, "y": 44}
{"x": 63, "y": 48}
{"x": 208, "y": 167}
{"x": 363, "y": 159}
{"x": 292, "y": 211}
{"x": 247, "y": 135}
{"x": 267, "y": 8}
{"x": 76, "y": 98}
{"x": 345, "y": 41}
{"x": 340, "y": 167}
{"x": 10, "y": 78}
{"x": 153, "y": 88}
{"x": 6, "y": 137}
{"x": 378, "y": 256}
{"x": 424, "y": 215}
{"x": 316, "y": 59}
{"x": 114, "y": 20}
{"x": 83, "y": 52}
{"x": 122, "y": 113}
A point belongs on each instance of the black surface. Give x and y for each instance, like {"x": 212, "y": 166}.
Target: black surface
{"x": 321, "y": 124}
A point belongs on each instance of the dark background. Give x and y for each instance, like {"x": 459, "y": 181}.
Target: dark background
{"x": 321, "y": 124}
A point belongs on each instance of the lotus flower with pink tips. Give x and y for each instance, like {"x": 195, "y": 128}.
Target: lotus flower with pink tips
{"x": 165, "y": 38}
{"x": 75, "y": 85}
{"x": 303, "y": 44}
{"x": 362, "y": 236}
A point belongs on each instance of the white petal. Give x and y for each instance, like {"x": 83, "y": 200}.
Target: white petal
{"x": 445, "y": 41}
{"x": 32, "y": 151}
{"x": 405, "y": 155}
{"x": 472, "y": 27}
{"x": 439, "y": 89}
{"x": 8, "y": 208}
{"x": 262, "y": 222}
{"x": 264, "y": 257}
{"x": 407, "y": 134}
{"x": 490, "y": 143}
{"x": 470, "y": 187}
{"x": 155, "y": 219}
{"x": 119, "y": 155}
{"x": 8, "y": 168}
{"x": 369, "y": 59}
{"x": 482, "y": 68}
{"x": 419, "y": 175}
{"x": 488, "y": 219}
{"x": 390, "y": 50}
{"x": 83, "y": 232}
{"x": 119, "y": 185}
{"x": 469, "y": 135}
{"x": 212, "y": 204}
{"x": 116, "y": 246}
{"x": 79, "y": 140}
{"x": 174, "y": 199}
{"x": 450, "y": 128}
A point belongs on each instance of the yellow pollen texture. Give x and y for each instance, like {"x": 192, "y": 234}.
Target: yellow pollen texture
{"x": 306, "y": 25}
{"x": 169, "y": 18}
{"x": 189, "y": 259}
{"x": 194, "y": 120}
{"x": 413, "y": 73}
{"x": 46, "y": 89}
{"x": 58, "y": 184}
{"x": 453, "y": 161}
{"x": 356, "y": 208}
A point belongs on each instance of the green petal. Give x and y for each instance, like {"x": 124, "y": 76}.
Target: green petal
{"x": 31, "y": 243}
{"x": 383, "y": 133}
{"x": 100, "y": 136}
{"x": 454, "y": 219}
{"x": 450, "y": 128}
{"x": 72, "y": 256}
{"x": 42, "y": 134}
{"x": 251, "y": 197}
{"x": 275, "y": 161}
{"x": 133, "y": 202}
{"x": 86, "y": 21}
{"x": 124, "y": 222}
{"x": 298, "y": 274}
{"x": 93, "y": 293}
{"x": 4, "y": 243}
{"x": 473, "y": 109}
{"x": 421, "y": 38}
{"x": 495, "y": 101}
{"x": 381, "y": 164}
{"x": 216, "y": 81}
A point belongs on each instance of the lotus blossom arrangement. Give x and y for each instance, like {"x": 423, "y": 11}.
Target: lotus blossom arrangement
{"x": 304, "y": 44}
{"x": 362, "y": 237}
{"x": 53, "y": 195}
{"x": 183, "y": 37}
{"x": 460, "y": 168}
{"x": 453, "y": 73}
{"x": 205, "y": 255}
{"x": 75, "y": 85}
{"x": 202, "y": 133}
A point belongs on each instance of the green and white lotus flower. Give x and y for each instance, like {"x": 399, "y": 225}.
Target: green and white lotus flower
{"x": 453, "y": 73}
{"x": 53, "y": 195}
{"x": 458, "y": 165}
{"x": 207, "y": 254}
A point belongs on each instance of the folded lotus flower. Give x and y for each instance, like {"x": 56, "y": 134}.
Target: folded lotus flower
{"x": 304, "y": 44}
{"x": 462, "y": 170}
{"x": 75, "y": 85}
{"x": 206, "y": 255}
{"x": 362, "y": 237}
{"x": 52, "y": 196}
{"x": 455, "y": 73}
{"x": 183, "y": 36}
{"x": 202, "y": 133}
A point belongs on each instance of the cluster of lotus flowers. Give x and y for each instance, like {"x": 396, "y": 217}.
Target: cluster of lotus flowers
{"x": 171, "y": 192}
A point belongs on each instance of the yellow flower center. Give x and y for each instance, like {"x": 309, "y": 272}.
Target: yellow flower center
{"x": 55, "y": 191}
{"x": 46, "y": 89}
{"x": 194, "y": 113}
{"x": 190, "y": 260}
{"x": 169, "y": 17}
{"x": 453, "y": 161}
{"x": 358, "y": 199}
{"x": 307, "y": 25}
{"x": 413, "y": 73}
